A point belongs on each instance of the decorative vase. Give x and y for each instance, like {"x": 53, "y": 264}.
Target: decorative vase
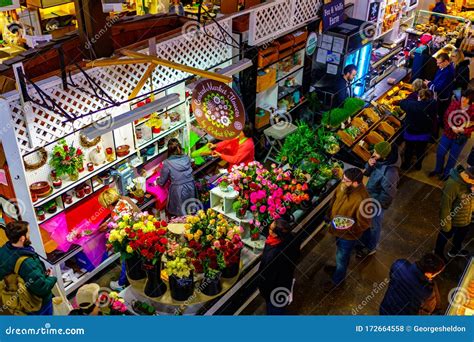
{"x": 181, "y": 288}
{"x": 211, "y": 286}
{"x": 134, "y": 268}
{"x": 156, "y": 130}
{"x": 154, "y": 287}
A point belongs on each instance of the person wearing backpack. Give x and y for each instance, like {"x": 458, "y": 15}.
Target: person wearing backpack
{"x": 383, "y": 172}
{"x": 25, "y": 285}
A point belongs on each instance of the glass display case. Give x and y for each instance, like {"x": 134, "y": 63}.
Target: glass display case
{"x": 461, "y": 298}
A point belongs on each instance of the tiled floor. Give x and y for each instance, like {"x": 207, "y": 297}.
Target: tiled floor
{"x": 409, "y": 231}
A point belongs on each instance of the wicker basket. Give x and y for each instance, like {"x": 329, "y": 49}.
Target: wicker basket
{"x": 300, "y": 39}
{"x": 262, "y": 120}
{"x": 285, "y": 42}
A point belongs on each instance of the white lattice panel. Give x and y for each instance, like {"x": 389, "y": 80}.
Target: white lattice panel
{"x": 197, "y": 49}
{"x": 270, "y": 21}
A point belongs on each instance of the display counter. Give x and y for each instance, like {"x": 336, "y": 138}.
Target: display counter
{"x": 378, "y": 91}
{"x": 462, "y": 300}
{"x": 235, "y": 291}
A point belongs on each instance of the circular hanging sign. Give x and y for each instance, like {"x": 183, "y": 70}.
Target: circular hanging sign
{"x": 311, "y": 44}
{"x": 218, "y": 109}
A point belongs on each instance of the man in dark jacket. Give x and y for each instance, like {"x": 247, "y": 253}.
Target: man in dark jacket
{"x": 383, "y": 171}
{"x": 411, "y": 290}
{"x": 32, "y": 270}
{"x": 456, "y": 211}
{"x": 349, "y": 201}
{"x": 343, "y": 85}
{"x": 420, "y": 117}
{"x": 277, "y": 268}
{"x": 443, "y": 84}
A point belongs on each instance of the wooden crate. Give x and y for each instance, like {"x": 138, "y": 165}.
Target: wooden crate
{"x": 267, "y": 56}
{"x": 266, "y": 81}
{"x": 262, "y": 120}
{"x": 285, "y": 53}
{"x": 300, "y": 39}
{"x": 285, "y": 42}
{"x": 371, "y": 139}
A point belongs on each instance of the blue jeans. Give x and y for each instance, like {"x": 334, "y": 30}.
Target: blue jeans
{"x": 447, "y": 145}
{"x": 123, "y": 280}
{"x": 343, "y": 256}
{"x": 371, "y": 236}
{"x": 45, "y": 310}
{"x": 273, "y": 310}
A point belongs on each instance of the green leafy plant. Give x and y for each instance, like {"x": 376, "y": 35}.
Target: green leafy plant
{"x": 336, "y": 116}
{"x": 66, "y": 160}
{"x": 299, "y": 145}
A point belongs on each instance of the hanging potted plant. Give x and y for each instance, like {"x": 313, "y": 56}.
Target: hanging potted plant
{"x": 67, "y": 160}
{"x": 180, "y": 275}
{"x": 155, "y": 123}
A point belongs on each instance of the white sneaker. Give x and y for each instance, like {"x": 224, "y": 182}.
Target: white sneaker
{"x": 114, "y": 286}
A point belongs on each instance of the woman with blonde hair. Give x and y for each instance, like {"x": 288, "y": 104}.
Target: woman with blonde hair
{"x": 417, "y": 85}
{"x": 118, "y": 206}
{"x": 462, "y": 72}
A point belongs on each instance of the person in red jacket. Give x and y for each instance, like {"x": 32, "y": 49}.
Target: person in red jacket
{"x": 458, "y": 126}
{"x": 236, "y": 151}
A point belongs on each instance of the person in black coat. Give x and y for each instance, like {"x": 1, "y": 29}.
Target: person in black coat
{"x": 412, "y": 290}
{"x": 421, "y": 115}
{"x": 277, "y": 268}
{"x": 343, "y": 87}
{"x": 462, "y": 72}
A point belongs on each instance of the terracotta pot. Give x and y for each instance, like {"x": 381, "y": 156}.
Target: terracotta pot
{"x": 90, "y": 167}
{"x": 80, "y": 192}
{"x": 87, "y": 189}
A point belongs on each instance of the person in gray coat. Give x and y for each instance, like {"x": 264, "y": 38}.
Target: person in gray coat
{"x": 177, "y": 169}
{"x": 383, "y": 172}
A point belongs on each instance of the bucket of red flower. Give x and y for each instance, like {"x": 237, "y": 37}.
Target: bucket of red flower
{"x": 208, "y": 234}
{"x": 123, "y": 231}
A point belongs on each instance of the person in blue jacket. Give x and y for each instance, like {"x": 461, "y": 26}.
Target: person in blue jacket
{"x": 443, "y": 84}
{"x": 440, "y": 7}
{"x": 411, "y": 289}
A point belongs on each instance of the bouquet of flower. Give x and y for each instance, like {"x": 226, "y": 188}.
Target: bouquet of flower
{"x": 230, "y": 249}
{"x": 150, "y": 245}
{"x": 181, "y": 265}
{"x": 66, "y": 160}
{"x": 206, "y": 226}
{"x": 115, "y": 304}
{"x": 128, "y": 227}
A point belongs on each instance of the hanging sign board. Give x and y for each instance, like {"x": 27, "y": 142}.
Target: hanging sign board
{"x": 218, "y": 109}
{"x": 311, "y": 44}
{"x": 333, "y": 13}
{"x": 373, "y": 14}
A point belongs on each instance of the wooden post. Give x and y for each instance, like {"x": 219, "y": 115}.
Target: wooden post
{"x": 95, "y": 30}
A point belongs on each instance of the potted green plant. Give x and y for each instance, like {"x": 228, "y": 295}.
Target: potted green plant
{"x": 155, "y": 123}
{"x": 67, "y": 160}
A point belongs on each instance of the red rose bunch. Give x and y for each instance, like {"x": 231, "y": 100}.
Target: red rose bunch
{"x": 150, "y": 245}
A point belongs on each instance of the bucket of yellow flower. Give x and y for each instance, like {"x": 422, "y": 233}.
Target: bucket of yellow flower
{"x": 180, "y": 274}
